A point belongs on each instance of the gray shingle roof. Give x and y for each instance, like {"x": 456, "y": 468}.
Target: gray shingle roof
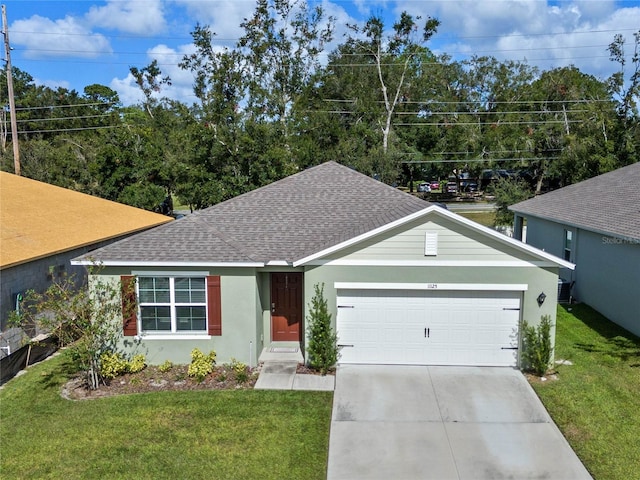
{"x": 608, "y": 203}
{"x": 284, "y": 221}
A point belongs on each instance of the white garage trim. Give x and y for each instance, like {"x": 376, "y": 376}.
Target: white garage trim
{"x": 431, "y": 326}
{"x": 495, "y": 287}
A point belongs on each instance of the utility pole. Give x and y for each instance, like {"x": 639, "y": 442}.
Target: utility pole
{"x": 12, "y": 103}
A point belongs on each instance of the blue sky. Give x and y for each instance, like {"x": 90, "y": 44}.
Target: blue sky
{"x": 75, "y": 43}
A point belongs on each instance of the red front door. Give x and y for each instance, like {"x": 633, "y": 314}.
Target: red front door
{"x": 286, "y": 307}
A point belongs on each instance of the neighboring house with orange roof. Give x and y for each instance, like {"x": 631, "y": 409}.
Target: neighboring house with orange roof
{"x": 43, "y": 227}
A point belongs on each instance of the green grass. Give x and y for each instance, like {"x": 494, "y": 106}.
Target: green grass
{"x": 198, "y": 434}
{"x": 483, "y": 218}
{"x": 596, "y": 401}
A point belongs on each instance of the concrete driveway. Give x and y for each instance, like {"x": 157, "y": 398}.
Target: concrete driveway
{"x": 412, "y": 422}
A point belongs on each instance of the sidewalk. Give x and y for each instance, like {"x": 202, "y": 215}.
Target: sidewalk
{"x": 278, "y": 372}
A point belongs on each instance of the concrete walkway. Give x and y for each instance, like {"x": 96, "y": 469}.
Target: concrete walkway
{"x": 441, "y": 423}
{"x": 282, "y": 376}
{"x": 278, "y": 372}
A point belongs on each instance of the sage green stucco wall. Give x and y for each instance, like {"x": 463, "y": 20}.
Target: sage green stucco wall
{"x": 457, "y": 244}
{"x": 240, "y": 337}
{"x": 246, "y": 317}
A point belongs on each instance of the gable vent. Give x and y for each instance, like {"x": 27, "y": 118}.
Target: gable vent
{"x": 431, "y": 244}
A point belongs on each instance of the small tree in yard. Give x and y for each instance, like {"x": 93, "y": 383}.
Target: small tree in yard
{"x": 537, "y": 346}
{"x": 508, "y": 192}
{"x": 323, "y": 340}
{"x": 83, "y": 318}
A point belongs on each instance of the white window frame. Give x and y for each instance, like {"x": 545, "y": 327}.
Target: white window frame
{"x": 172, "y": 304}
{"x": 568, "y": 236}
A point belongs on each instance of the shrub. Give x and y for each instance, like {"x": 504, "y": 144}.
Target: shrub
{"x": 137, "y": 364}
{"x": 166, "y": 366}
{"x": 239, "y": 371}
{"x": 201, "y": 365}
{"x": 112, "y": 365}
{"x": 536, "y": 345}
{"x": 323, "y": 340}
{"x": 82, "y": 317}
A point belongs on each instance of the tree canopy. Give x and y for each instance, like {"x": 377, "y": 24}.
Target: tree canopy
{"x": 275, "y": 102}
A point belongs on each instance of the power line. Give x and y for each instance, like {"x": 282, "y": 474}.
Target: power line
{"x": 497, "y": 124}
{"x": 67, "y": 105}
{"x": 457, "y": 113}
{"x": 164, "y": 64}
{"x": 501, "y": 152}
{"x": 470, "y": 102}
{"x": 58, "y": 130}
{"x": 363, "y": 54}
{"x": 34, "y": 120}
{"x": 480, "y": 160}
{"x": 443, "y": 37}
{"x": 526, "y": 60}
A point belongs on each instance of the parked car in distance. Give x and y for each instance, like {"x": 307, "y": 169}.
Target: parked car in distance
{"x": 434, "y": 185}
{"x": 452, "y": 187}
{"x": 424, "y": 187}
{"x": 469, "y": 187}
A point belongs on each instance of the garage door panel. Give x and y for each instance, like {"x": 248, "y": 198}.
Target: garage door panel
{"x": 429, "y": 327}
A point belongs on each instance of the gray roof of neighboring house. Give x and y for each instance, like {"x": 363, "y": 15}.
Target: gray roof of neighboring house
{"x": 608, "y": 203}
{"x": 284, "y": 221}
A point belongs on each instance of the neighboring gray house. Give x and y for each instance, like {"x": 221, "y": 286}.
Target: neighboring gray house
{"x": 596, "y": 225}
{"x": 42, "y": 227}
{"x": 406, "y": 282}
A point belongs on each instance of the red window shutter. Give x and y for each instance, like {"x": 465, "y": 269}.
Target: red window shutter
{"x": 214, "y": 305}
{"x": 129, "y": 307}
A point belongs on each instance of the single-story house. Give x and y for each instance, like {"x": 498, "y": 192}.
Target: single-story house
{"x": 42, "y": 228}
{"x": 594, "y": 224}
{"x": 406, "y": 282}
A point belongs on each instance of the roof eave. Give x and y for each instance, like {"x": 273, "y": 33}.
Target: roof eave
{"x": 364, "y": 236}
{"x": 447, "y": 214}
{"x": 115, "y": 237}
{"x": 576, "y": 225}
{"x": 169, "y": 264}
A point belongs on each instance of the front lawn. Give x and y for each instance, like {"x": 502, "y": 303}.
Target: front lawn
{"x": 191, "y": 434}
{"x": 596, "y": 401}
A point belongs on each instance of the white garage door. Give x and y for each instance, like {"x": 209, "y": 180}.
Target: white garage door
{"x": 425, "y": 327}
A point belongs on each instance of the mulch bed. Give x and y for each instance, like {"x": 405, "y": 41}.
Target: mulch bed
{"x": 151, "y": 379}
{"x": 305, "y": 370}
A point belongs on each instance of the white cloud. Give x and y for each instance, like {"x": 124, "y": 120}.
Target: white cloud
{"x": 53, "y": 84}
{"x": 370, "y": 7}
{"x": 341, "y": 18}
{"x": 128, "y": 91}
{"x": 545, "y": 34}
{"x": 131, "y": 17}
{"x": 181, "y": 87}
{"x": 591, "y": 11}
{"x": 223, "y": 16}
{"x": 65, "y": 37}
